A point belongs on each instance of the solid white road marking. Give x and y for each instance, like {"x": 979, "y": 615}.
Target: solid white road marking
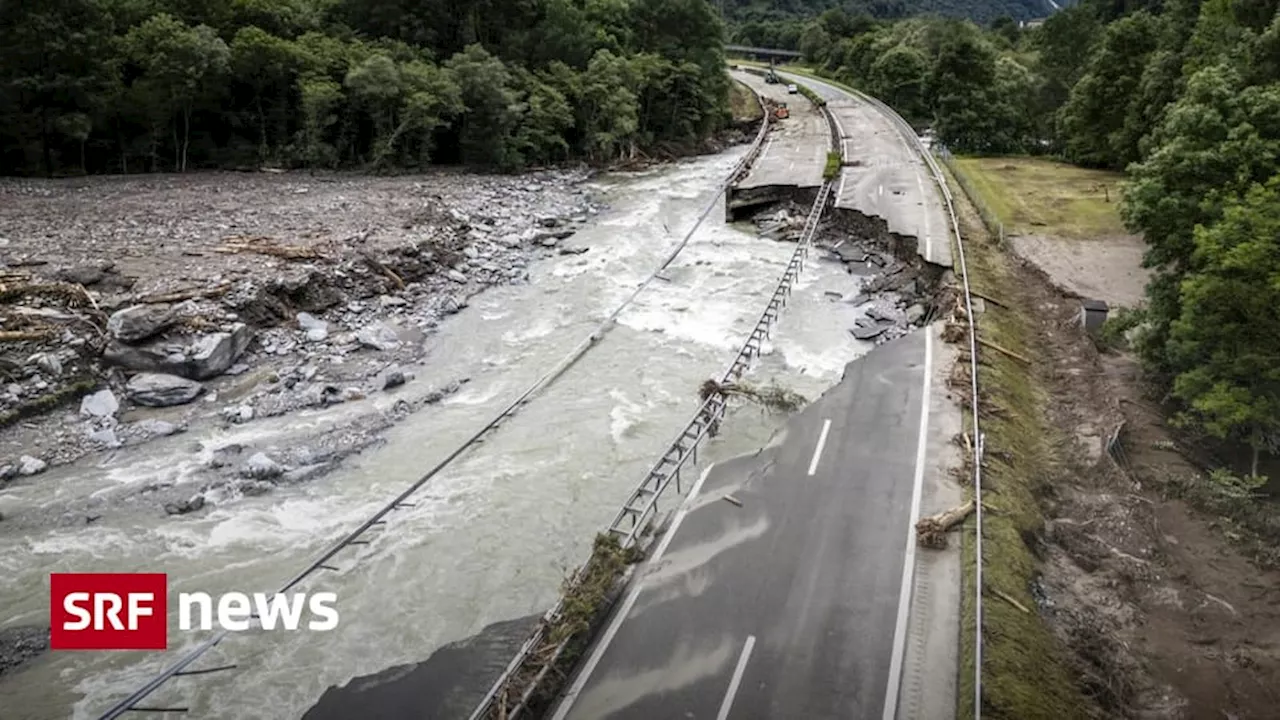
{"x": 581, "y": 681}
{"x": 737, "y": 678}
{"x": 909, "y": 558}
{"x": 817, "y": 452}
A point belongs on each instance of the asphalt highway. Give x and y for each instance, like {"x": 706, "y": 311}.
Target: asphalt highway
{"x": 889, "y": 181}
{"x": 795, "y": 153}
{"x": 778, "y": 592}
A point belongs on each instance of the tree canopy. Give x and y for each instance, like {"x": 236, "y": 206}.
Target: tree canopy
{"x": 164, "y": 85}
{"x": 1184, "y": 95}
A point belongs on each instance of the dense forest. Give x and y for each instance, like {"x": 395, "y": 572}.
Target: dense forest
{"x": 780, "y": 23}
{"x": 163, "y": 85}
{"x": 1184, "y": 95}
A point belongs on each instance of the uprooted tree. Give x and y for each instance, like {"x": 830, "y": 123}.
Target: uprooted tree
{"x": 773, "y": 396}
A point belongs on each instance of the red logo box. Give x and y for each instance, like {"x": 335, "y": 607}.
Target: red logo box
{"x": 108, "y": 611}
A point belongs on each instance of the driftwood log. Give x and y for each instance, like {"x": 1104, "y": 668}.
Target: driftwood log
{"x": 931, "y": 530}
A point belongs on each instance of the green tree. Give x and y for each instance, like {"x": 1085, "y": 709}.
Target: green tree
{"x": 1216, "y": 141}
{"x": 55, "y": 62}
{"x": 610, "y": 108}
{"x": 898, "y": 77}
{"x": 179, "y": 65}
{"x": 545, "y": 118}
{"x": 815, "y": 44}
{"x": 491, "y": 113}
{"x": 1093, "y": 121}
{"x": 1063, "y": 46}
{"x": 1228, "y": 332}
{"x": 319, "y": 98}
{"x": 269, "y": 66}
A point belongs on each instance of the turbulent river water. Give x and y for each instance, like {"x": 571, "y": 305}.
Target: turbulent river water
{"x": 492, "y": 537}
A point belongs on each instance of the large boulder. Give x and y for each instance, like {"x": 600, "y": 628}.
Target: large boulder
{"x": 161, "y": 390}
{"x": 379, "y": 336}
{"x": 208, "y": 356}
{"x": 139, "y": 322}
{"x": 100, "y": 404}
{"x": 212, "y": 354}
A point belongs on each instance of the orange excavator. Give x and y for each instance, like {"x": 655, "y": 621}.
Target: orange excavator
{"x": 781, "y": 112}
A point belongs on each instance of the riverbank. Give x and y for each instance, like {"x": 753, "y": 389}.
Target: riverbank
{"x": 142, "y": 305}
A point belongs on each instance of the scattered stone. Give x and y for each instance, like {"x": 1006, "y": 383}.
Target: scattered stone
{"x": 239, "y": 414}
{"x": 868, "y": 333}
{"x": 471, "y": 251}
{"x": 261, "y": 467}
{"x": 387, "y": 301}
{"x": 549, "y": 239}
{"x": 106, "y": 437}
{"x": 28, "y": 466}
{"x": 321, "y": 395}
{"x": 139, "y": 322}
{"x": 20, "y": 644}
{"x": 307, "y": 321}
{"x": 393, "y": 379}
{"x": 237, "y": 369}
{"x": 8, "y": 472}
{"x": 47, "y": 362}
{"x": 223, "y": 456}
{"x": 457, "y": 277}
{"x": 573, "y": 250}
{"x": 157, "y": 428}
{"x": 915, "y": 313}
{"x": 212, "y": 354}
{"x": 452, "y": 305}
{"x": 253, "y": 488}
{"x": 549, "y": 221}
{"x": 86, "y": 275}
{"x": 317, "y": 335}
{"x": 100, "y": 404}
{"x": 185, "y": 506}
{"x": 351, "y": 393}
{"x": 161, "y": 390}
{"x": 379, "y": 336}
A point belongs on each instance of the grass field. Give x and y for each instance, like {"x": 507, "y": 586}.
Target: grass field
{"x": 743, "y": 103}
{"x": 1044, "y": 197}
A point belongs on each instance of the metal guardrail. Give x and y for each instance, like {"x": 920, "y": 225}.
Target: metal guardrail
{"x": 641, "y": 506}
{"x": 179, "y": 667}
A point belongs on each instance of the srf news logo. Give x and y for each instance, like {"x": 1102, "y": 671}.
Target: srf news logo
{"x": 129, "y": 611}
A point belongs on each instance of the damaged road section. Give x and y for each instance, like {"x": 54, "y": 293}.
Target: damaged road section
{"x": 898, "y": 290}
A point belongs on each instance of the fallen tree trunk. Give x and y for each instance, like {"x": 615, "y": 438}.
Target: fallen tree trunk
{"x": 931, "y": 530}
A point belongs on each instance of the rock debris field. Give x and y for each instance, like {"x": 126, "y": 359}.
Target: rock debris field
{"x": 120, "y": 296}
